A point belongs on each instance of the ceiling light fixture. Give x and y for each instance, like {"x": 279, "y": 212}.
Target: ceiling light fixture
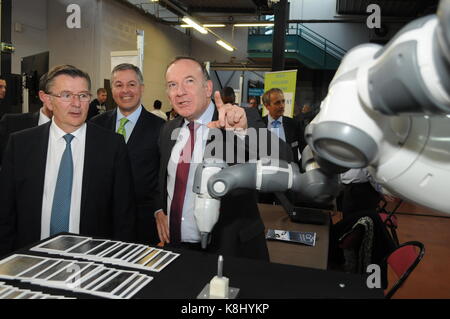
{"x": 225, "y": 45}
{"x": 205, "y": 26}
{"x": 195, "y": 25}
{"x": 214, "y": 25}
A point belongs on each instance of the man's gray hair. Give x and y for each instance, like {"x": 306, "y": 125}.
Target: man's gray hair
{"x": 128, "y": 66}
{"x": 266, "y": 95}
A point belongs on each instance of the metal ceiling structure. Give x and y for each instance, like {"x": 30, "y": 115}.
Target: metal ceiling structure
{"x": 241, "y": 11}
{"x": 389, "y": 8}
{"x": 223, "y": 11}
{"x": 230, "y": 12}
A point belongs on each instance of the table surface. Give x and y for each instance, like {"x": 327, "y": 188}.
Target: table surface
{"x": 187, "y": 275}
{"x": 274, "y": 217}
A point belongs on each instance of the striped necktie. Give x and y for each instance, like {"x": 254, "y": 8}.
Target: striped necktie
{"x": 121, "y": 130}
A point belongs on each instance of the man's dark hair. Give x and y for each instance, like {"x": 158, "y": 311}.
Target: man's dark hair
{"x": 227, "y": 95}
{"x": 101, "y": 90}
{"x": 69, "y": 70}
{"x": 206, "y": 76}
{"x": 128, "y": 66}
{"x": 266, "y": 95}
{"x": 43, "y": 82}
{"x": 157, "y": 104}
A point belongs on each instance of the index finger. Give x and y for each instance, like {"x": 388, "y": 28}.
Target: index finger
{"x": 218, "y": 100}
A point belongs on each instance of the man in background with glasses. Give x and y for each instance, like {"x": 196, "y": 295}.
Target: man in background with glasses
{"x": 51, "y": 174}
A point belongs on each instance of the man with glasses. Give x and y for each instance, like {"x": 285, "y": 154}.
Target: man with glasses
{"x": 51, "y": 174}
{"x": 140, "y": 130}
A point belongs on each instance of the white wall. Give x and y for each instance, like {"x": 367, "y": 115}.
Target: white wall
{"x": 32, "y": 17}
{"x": 74, "y": 46}
{"x": 106, "y": 25}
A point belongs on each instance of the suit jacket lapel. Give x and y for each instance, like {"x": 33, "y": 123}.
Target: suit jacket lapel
{"x": 288, "y": 131}
{"x": 266, "y": 120}
{"x": 111, "y": 122}
{"x": 166, "y": 145}
{"x": 40, "y": 162}
{"x": 167, "y": 149}
{"x": 90, "y": 149}
{"x": 140, "y": 124}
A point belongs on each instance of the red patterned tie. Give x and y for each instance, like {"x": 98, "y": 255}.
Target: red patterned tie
{"x": 176, "y": 207}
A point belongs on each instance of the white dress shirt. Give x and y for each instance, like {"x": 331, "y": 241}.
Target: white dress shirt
{"x": 56, "y": 147}
{"x": 278, "y": 131}
{"x": 359, "y": 175}
{"x": 132, "y": 120}
{"x": 189, "y": 229}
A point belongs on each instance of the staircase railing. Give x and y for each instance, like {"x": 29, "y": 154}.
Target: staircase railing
{"x": 307, "y": 34}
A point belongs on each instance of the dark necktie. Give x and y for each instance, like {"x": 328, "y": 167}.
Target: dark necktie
{"x": 63, "y": 191}
{"x": 176, "y": 207}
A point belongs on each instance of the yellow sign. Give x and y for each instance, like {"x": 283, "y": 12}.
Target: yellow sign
{"x": 285, "y": 81}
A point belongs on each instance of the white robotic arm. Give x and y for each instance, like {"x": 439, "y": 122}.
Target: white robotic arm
{"x": 387, "y": 109}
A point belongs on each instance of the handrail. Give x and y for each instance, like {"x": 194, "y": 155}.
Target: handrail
{"x": 307, "y": 34}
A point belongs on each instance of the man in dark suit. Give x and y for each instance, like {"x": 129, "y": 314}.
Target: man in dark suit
{"x": 284, "y": 127}
{"x": 141, "y": 132}
{"x": 239, "y": 230}
{"x": 52, "y": 174}
{"x": 11, "y": 123}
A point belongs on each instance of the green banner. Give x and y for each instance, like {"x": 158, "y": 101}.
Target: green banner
{"x": 287, "y": 82}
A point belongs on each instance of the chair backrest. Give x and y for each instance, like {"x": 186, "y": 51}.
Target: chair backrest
{"x": 402, "y": 261}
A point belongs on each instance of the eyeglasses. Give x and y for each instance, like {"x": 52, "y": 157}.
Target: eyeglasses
{"x": 68, "y": 96}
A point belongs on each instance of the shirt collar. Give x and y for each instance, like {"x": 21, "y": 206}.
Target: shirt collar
{"x": 280, "y": 119}
{"x": 206, "y": 117}
{"x": 133, "y": 117}
{"x": 58, "y": 133}
{"x": 43, "y": 118}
